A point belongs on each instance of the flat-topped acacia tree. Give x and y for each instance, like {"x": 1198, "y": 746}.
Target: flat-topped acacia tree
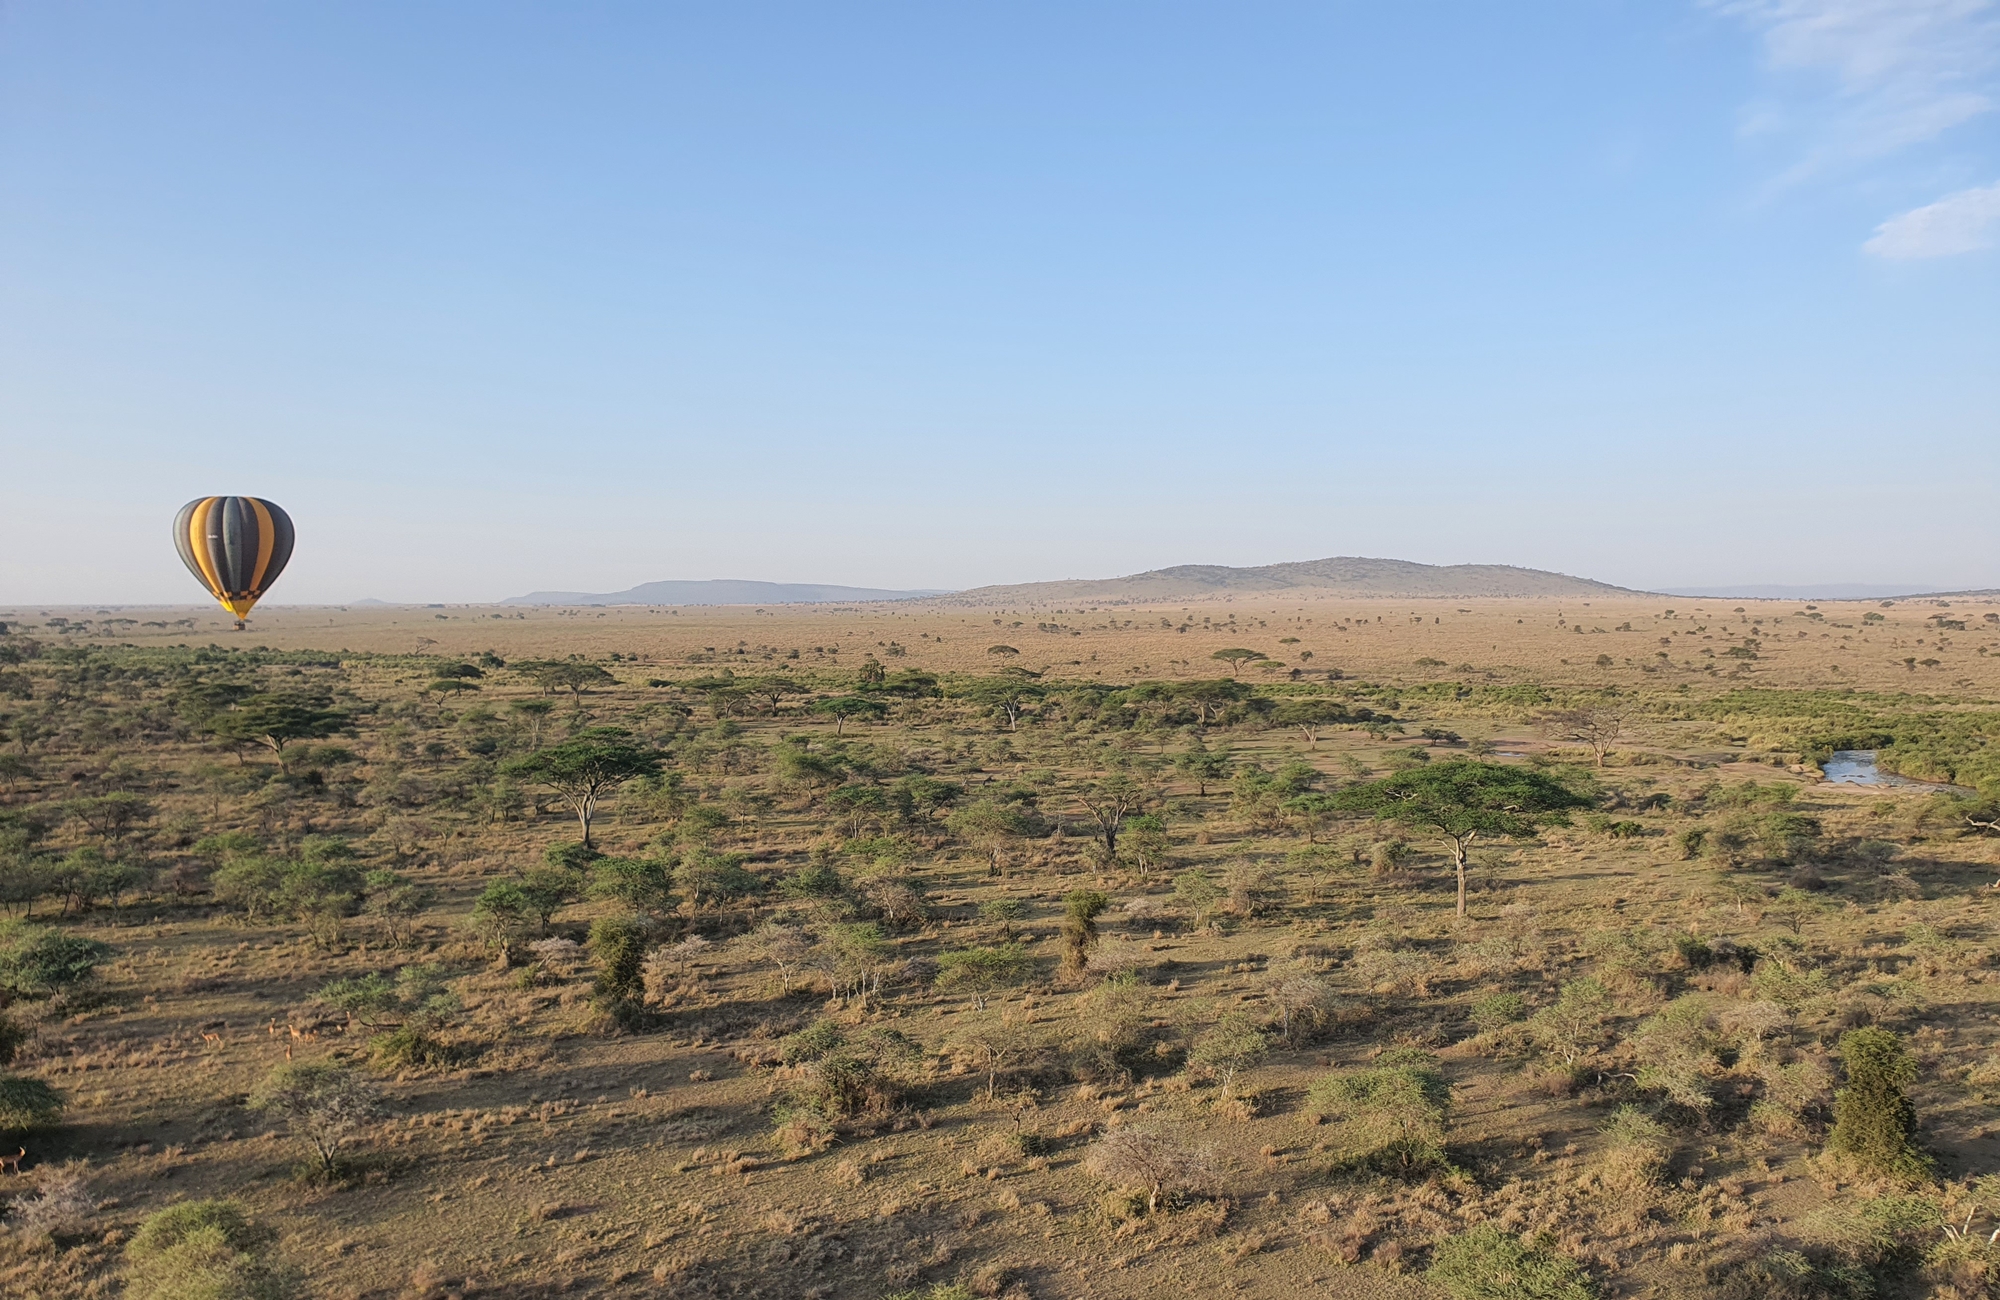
{"x": 1461, "y": 800}
{"x": 586, "y": 767}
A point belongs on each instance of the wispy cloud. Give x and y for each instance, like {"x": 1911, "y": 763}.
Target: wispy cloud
{"x": 1858, "y": 80}
{"x": 1957, "y": 223}
{"x": 1864, "y": 78}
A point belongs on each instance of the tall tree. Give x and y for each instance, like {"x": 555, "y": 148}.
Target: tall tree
{"x": 1109, "y": 802}
{"x": 277, "y": 721}
{"x": 585, "y": 768}
{"x": 1595, "y": 725}
{"x": 1205, "y": 766}
{"x": 1311, "y": 715}
{"x": 1462, "y": 800}
{"x": 1237, "y": 656}
{"x": 842, "y": 707}
{"x": 992, "y": 826}
{"x": 572, "y": 675}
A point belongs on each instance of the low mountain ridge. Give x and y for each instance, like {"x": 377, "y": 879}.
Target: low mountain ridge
{"x": 1341, "y": 575}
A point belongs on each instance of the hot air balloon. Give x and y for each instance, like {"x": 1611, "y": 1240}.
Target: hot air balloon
{"x": 234, "y": 546}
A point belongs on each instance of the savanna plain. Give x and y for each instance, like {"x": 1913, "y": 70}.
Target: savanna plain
{"x": 1379, "y": 948}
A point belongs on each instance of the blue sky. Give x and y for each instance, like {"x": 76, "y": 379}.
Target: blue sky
{"x": 501, "y": 297}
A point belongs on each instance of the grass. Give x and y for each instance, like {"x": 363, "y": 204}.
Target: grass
{"x": 793, "y": 1104}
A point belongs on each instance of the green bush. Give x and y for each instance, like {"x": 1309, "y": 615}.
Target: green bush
{"x": 11, "y": 1038}
{"x": 417, "y": 1046}
{"x": 1395, "y": 1111}
{"x": 170, "y": 1227}
{"x": 38, "y": 962}
{"x": 503, "y": 914}
{"x": 203, "y": 1250}
{"x": 619, "y": 944}
{"x": 1874, "y": 1124}
{"x": 27, "y": 1103}
{"x": 1500, "y": 1009}
{"x": 1490, "y": 1263}
{"x": 816, "y": 1040}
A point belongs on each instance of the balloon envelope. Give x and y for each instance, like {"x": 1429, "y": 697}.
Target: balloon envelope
{"x": 234, "y": 546}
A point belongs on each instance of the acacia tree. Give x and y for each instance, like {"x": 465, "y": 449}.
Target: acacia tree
{"x": 320, "y": 1103}
{"x": 572, "y": 675}
{"x": 1595, "y": 725}
{"x": 585, "y": 768}
{"x": 1205, "y": 766}
{"x": 536, "y": 712}
{"x": 1210, "y": 698}
{"x": 979, "y": 971}
{"x": 1109, "y": 802}
{"x": 1461, "y": 800}
{"x": 991, "y": 826}
{"x": 275, "y": 722}
{"x": 1311, "y": 716}
{"x": 1007, "y": 696}
{"x": 842, "y": 707}
{"x": 1237, "y": 656}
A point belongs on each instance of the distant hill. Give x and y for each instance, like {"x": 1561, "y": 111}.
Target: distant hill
{"x": 1343, "y": 575}
{"x": 1802, "y": 591}
{"x": 718, "y": 591}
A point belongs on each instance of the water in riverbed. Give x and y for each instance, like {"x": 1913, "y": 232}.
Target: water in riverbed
{"x": 1857, "y": 767}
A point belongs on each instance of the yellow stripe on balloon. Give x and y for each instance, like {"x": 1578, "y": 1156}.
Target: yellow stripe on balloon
{"x": 198, "y": 538}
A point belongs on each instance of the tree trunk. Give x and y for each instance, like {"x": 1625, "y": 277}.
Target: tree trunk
{"x": 1458, "y": 856}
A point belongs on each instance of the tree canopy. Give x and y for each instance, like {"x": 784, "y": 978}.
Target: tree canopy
{"x": 1462, "y": 800}
{"x": 275, "y": 721}
{"x": 588, "y": 766}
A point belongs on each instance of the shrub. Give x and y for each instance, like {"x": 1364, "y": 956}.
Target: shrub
{"x": 1395, "y": 1111}
{"x": 936, "y": 1291}
{"x": 1154, "y": 1162}
{"x": 1388, "y": 856}
{"x": 60, "y": 1206}
{"x": 979, "y": 971}
{"x": 1874, "y": 1123}
{"x": 1306, "y": 1004}
{"x": 503, "y": 914}
{"x": 27, "y": 1103}
{"x": 1230, "y": 1046}
{"x": 321, "y": 1105}
{"x": 202, "y": 1250}
{"x": 1499, "y": 1010}
{"x": 1679, "y": 1052}
{"x": 816, "y": 1040}
{"x": 37, "y": 962}
{"x": 1003, "y": 912}
{"x": 619, "y": 944}
{"x": 639, "y": 884}
{"x": 1079, "y": 926}
{"x": 1197, "y": 891}
{"x": 1573, "y": 1026}
{"x": 1636, "y": 1144}
{"x": 417, "y": 1046}
{"x": 1490, "y": 1263}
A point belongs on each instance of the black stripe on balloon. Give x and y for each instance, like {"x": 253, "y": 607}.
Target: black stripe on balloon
{"x": 221, "y": 542}
{"x": 281, "y": 546}
{"x": 182, "y": 545}
{"x": 240, "y": 537}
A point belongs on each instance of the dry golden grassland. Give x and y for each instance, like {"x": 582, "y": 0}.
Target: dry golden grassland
{"x": 1646, "y": 1116}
